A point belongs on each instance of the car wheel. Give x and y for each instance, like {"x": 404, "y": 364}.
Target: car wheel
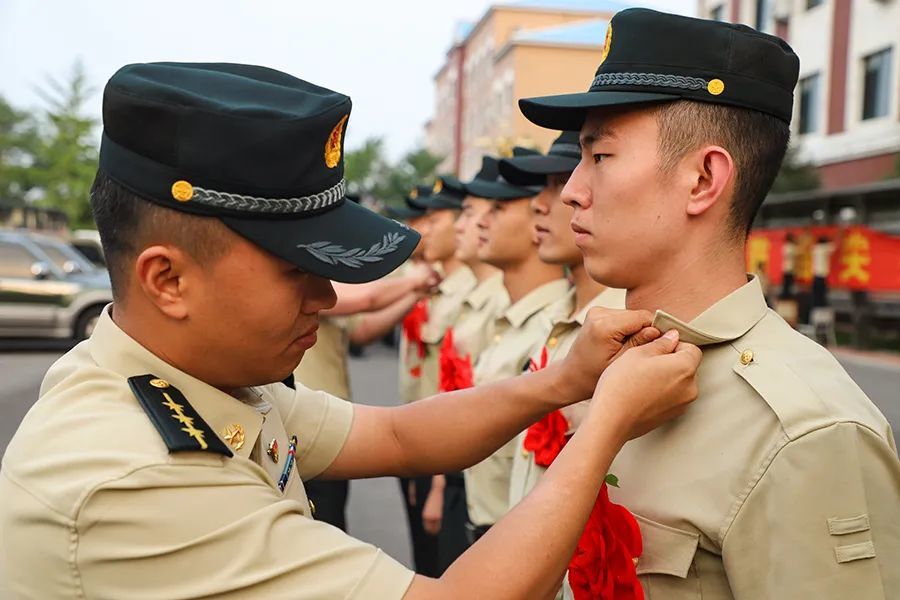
{"x": 86, "y": 322}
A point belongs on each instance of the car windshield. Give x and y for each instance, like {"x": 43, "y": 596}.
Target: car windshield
{"x": 64, "y": 256}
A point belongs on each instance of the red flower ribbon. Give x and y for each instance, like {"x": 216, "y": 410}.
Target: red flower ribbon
{"x": 412, "y": 331}
{"x": 603, "y": 566}
{"x": 455, "y": 370}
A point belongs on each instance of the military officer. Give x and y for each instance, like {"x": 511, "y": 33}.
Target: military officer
{"x": 785, "y": 482}
{"x": 534, "y": 288}
{"x": 556, "y": 245}
{"x": 164, "y": 458}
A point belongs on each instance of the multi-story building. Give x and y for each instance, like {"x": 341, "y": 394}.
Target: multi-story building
{"x": 524, "y": 48}
{"x": 847, "y": 103}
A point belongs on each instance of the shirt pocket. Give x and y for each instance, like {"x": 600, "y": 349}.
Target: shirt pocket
{"x": 666, "y": 566}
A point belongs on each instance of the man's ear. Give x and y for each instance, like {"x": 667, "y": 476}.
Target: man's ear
{"x": 159, "y": 271}
{"x": 712, "y": 176}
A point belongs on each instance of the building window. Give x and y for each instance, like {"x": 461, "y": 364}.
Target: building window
{"x": 877, "y": 84}
{"x": 810, "y": 4}
{"x": 809, "y": 103}
{"x": 718, "y": 13}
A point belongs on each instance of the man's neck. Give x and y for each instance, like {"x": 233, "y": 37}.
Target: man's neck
{"x": 482, "y": 270}
{"x": 688, "y": 288}
{"x": 586, "y": 289}
{"x": 451, "y": 265}
{"x": 523, "y": 277}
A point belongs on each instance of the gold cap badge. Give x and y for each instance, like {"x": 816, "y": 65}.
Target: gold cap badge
{"x": 333, "y": 145}
{"x": 234, "y": 435}
{"x": 715, "y": 87}
{"x": 606, "y": 44}
{"x": 414, "y": 193}
{"x": 182, "y": 190}
{"x": 438, "y": 186}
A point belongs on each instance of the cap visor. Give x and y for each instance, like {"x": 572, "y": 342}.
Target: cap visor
{"x": 495, "y": 190}
{"x": 350, "y": 244}
{"x": 566, "y": 112}
{"x": 533, "y": 170}
{"x": 441, "y": 201}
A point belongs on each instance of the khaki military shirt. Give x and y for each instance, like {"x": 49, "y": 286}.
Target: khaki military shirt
{"x": 517, "y": 334}
{"x": 94, "y": 505}
{"x": 525, "y": 473}
{"x": 780, "y": 482}
{"x": 324, "y": 366}
{"x": 474, "y": 327}
{"x": 443, "y": 309}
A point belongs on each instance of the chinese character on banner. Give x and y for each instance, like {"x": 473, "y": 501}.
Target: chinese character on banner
{"x": 855, "y": 260}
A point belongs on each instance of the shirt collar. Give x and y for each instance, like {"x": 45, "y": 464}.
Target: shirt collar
{"x": 535, "y": 300}
{"x": 726, "y": 320}
{"x": 462, "y": 279}
{"x": 608, "y": 298}
{"x": 115, "y": 350}
{"x": 483, "y": 292}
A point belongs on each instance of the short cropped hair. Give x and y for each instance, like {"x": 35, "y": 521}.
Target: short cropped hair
{"x": 756, "y": 141}
{"x": 127, "y": 224}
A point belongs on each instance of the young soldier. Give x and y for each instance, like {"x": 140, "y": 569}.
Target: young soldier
{"x": 533, "y": 286}
{"x": 165, "y": 459}
{"x": 784, "y": 483}
{"x": 442, "y": 206}
{"x": 556, "y": 245}
{"x": 444, "y": 513}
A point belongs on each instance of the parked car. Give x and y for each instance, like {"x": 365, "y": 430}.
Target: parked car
{"x": 47, "y": 288}
{"x": 87, "y": 241}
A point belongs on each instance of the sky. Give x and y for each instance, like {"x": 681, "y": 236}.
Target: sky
{"x": 382, "y": 54}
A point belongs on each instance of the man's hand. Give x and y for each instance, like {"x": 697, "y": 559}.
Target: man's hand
{"x": 648, "y": 385}
{"x": 605, "y": 335}
{"x": 426, "y": 278}
{"x": 433, "y": 510}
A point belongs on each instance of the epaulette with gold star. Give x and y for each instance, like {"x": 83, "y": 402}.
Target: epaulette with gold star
{"x": 180, "y": 426}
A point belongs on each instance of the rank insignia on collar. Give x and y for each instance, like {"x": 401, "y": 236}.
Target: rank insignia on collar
{"x": 179, "y": 424}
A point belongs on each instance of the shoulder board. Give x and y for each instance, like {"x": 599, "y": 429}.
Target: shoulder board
{"x": 179, "y": 424}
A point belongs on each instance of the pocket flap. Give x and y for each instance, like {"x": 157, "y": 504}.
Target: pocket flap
{"x": 667, "y": 551}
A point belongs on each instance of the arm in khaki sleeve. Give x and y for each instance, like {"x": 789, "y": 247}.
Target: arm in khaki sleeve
{"x": 375, "y": 325}
{"x": 375, "y": 295}
{"x": 822, "y": 522}
{"x": 207, "y": 528}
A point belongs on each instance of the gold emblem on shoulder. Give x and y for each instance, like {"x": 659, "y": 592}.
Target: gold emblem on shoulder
{"x": 715, "y": 87}
{"x": 438, "y": 186}
{"x": 178, "y": 415}
{"x": 234, "y": 435}
{"x": 182, "y": 190}
{"x": 159, "y": 383}
{"x": 333, "y": 145}
{"x": 606, "y": 44}
{"x": 746, "y": 357}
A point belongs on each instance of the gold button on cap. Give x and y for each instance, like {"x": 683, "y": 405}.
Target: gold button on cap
{"x": 182, "y": 190}
{"x": 746, "y": 357}
{"x": 715, "y": 87}
{"x": 159, "y": 383}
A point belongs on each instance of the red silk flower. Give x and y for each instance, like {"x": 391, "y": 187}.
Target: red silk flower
{"x": 412, "y": 330}
{"x": 603, "y": 566}
{"x": 547, "y": 437}
{"x": 455, "y": 370}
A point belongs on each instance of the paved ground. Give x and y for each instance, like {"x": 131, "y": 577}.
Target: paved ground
{"x": 375, "y": 512}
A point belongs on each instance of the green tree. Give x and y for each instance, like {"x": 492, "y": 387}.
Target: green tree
{"x": 416, "y": 167}
{"x": 65, "y": 160}
{"x": 365, "y": 166}
{"x": 18, "y": 143}
{"x": 368, "y": 171}
{"x": 795, "y": 176}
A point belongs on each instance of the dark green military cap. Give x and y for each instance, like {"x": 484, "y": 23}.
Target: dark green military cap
{"x": 488, "y": 183}
{"x": 651, "y": 57}
{"x": 417, "y": 196}
{"x": 532, "y": 169}
{"x": 447, "y": 192}
{"x": 257, "y": 148}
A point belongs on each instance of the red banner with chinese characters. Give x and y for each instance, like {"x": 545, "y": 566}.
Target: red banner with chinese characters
{"x": 863, "y": 259}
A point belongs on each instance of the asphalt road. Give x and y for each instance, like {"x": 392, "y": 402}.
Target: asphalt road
{"x": 375, "y": 513}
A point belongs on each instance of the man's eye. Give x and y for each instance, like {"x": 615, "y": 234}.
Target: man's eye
{"x": 598, "y": 158}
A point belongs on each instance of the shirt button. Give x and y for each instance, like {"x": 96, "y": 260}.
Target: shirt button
{"x": 552, "y": 342}
{"x": 525, "y": 453}
{"x": 497, "y": 338}
{"x": 746, "y": 357}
